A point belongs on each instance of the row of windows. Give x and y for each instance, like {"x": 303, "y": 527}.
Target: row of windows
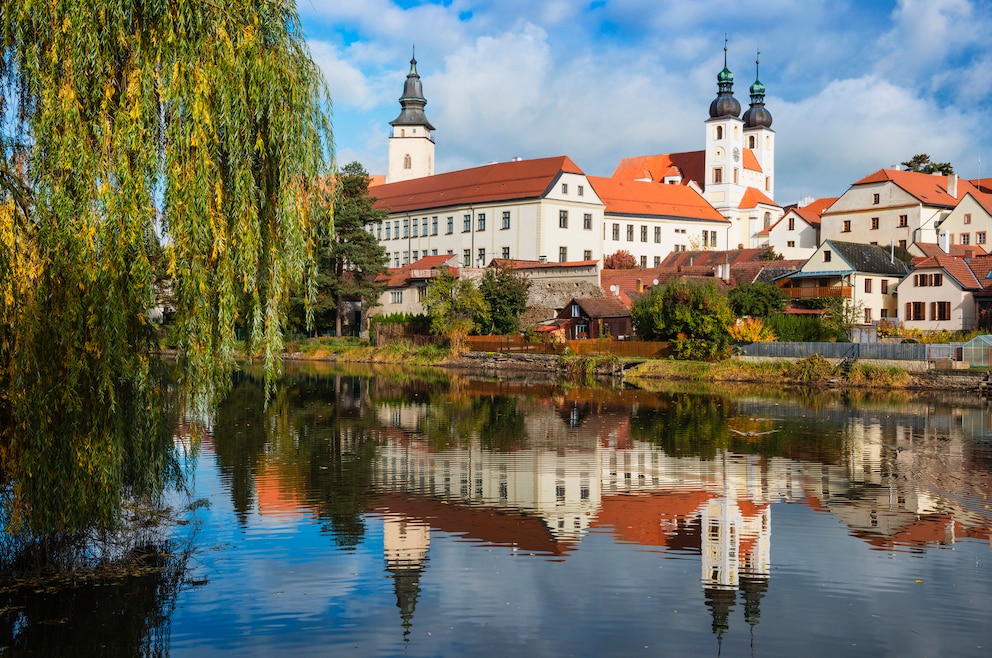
{"x": 408, "y": 257}
{"x": 965, "y": 238}
{"x": 644, "y": 233}
{"x": 563, "y": 219}
{"x": 928, "y": 280}
{"x": 938, "y": 310}
{"x": 752, "y": 140}
{"x": 417, "y": 227}
{"x": 581, "y": 189}
{"x": 875, "y": 221}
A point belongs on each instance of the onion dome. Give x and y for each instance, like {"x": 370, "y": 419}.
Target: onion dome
{"x": 725, "y": 104}
{"x": 412, "y": 101}
{"x": 757, "y": 115}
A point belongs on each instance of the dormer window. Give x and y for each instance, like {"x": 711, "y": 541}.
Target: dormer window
{"x": 575, "y": 310}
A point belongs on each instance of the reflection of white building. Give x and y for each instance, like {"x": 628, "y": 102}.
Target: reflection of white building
{"x": 405, "y": 544}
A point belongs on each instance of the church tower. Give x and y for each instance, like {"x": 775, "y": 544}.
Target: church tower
{"x": 411, "y": 144}
{"x": 723, "y": 186}
{"x": 758, "y": 134}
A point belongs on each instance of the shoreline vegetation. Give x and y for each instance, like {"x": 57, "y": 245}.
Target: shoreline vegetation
{"x": 813, "y": 371}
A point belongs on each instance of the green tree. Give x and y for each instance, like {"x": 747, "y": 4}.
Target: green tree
{"x": 204, "y": 123}
{"x": 455, "y": 307}
{"x": 505, "y": 294}
{"x": 921, "y": 163}
{"x": 694, "y": 317}
{"x": 757, "y": 299}
{"x": 350, "y": 258}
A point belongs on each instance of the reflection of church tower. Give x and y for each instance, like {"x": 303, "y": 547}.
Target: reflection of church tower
{"x": 405, "y": 543}
{"x": 411, "y": 146}
{"x": 754, "y": 587}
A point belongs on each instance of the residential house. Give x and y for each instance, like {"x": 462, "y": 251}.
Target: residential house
{"x": 595, "y": 317}
{"x": 864, "y": 276}
{"x": 797, "y": 234}
{"x": 650, "y": 221}
{"x": 892, "y": 206}
{"x": 969, "y": 224}
{"x": 405, "y": 286}
{"x": 944, "y": 292}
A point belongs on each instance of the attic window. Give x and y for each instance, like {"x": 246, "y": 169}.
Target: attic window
{"x": 826, "y": 256}
{"x": 575, "y": 310}
{"x": 876, "y": 199}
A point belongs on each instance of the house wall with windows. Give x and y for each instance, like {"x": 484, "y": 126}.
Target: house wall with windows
{"x": 940, "y": 293}
{"x": 530, "y": 210}
{"x": 970, "y": 223}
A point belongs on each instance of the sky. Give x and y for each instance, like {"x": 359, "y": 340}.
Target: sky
{"x": 852, "y": 85}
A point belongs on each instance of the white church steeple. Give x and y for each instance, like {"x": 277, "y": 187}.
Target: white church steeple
{"x": 411, "y": 144}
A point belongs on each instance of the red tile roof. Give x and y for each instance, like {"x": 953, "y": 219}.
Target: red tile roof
{"x": 960, "y": 250}
{"x": 714, "y": 258}
{"x": 751, "y": 162}
{"x": 929, "y": 189}
{"x": 962, "y": 270}
{"x": 400, "y": 276}
{"x": 517, "y": 264}
{"x": 691, "y": 164}
{"x": 504, "y": 181}
{"x": 632, "y": 197}
{"x": 753, "y": 196}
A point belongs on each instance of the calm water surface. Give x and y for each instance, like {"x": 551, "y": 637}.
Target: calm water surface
{"x": 383, "y": 513}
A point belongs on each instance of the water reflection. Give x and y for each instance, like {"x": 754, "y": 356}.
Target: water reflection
{"x": 538, "y": 468}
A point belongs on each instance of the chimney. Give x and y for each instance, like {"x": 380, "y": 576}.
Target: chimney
{"x": 943, "y": 241}
{"x": 952, "y": 185}
{"x": 640, "y": 286}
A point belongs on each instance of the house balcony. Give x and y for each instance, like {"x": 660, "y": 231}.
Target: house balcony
{"x": 813, "y": 292}
{"x": 423, "y": 274}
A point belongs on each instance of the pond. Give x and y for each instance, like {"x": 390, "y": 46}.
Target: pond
{"x": 384, "y": 512}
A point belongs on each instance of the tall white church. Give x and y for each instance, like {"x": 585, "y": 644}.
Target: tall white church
{"x": 411, "y": 144}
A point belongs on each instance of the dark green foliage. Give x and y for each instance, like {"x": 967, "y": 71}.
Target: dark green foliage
{"x": 693, "y": 317}
{"x": 802, "y": 328}
{"x": 756, "y": 299}
{"x": 921, "y": 163}
{"x": 505, "y": 293}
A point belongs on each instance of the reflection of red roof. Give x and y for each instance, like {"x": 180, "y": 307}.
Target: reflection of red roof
{"x": 501, "y": 527}
{"x": 638, "y": 518}
{"x": 273, "y": 497}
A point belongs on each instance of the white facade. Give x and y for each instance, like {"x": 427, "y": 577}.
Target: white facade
{"x": 651, "y": 239}
{"x": 933, "y": 300}
{"x": 968, "y": 225}
{"x": 793, "y": 237}
{"x": 411, "y": 153}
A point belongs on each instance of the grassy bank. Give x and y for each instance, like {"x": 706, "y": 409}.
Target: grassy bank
{"x": 814, "y": 370}
{"x": 352, "y": 350}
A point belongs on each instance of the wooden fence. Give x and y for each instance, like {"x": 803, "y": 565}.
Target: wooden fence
{"x": 621, "y": 348}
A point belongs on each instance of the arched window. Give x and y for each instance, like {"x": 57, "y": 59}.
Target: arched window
{"x": 750, "y": 141}
{"x": 407, "y": 162}
{"x": 719, "y": 132}
{"x": 768, "y": 219}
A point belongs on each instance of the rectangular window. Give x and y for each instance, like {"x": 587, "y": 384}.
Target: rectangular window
{"x": 717, "y": 175}
{"x": 876, "y": 199}
{"x": 481, "y": 256}
{"x": 564, "y": 188}
{"x": 867, "y": 285}
{"x": 450, "y": 228}
{"x": 562, "y": 219}
{"x": 416, "y": 227}
{"x": 586, "y": 219}
{"x": 867, "y": 316}
{"x": 644, "y": 233}
{"x": 915, "y": 311}
{"x": 901, "y": 244}
{"x": 965, "y": 238}
{"x": 937, "y": 279}
{"x": 466, "y": 258}
{"x": 616, "y": 232}
{"x": 967, "y": 218}
{"x": 644, "y": 261}
{"x": 657, "y": 261}
{"x": 406, "y": 257}
{"x": 884, "y": 313}
{"x": 466, "y": 223}
{"x": 396, "y": 296}
{"x": 506, "y": 253}
{"x": 826, "y": 256}
{"x": 587, "y": 254}
{"x": 790, "y": 243}
{"x": 657, "y": 234}
{"x": 885, "y": 286}
{"x": 481, "y": 221}
{"x": 903, "y": 221}
{"x": 582, "y": 190}
{"x": 389, "y": 227}
{"x": 506, "y": 219}
{"x": 847, "y": 226}
{"x": 406, "y": 228}
{"x": 396, "y": 258}
{"x": 562, "y": 254}
{"x": 874, "y": 223}
{"x": 792, "y": 223}
{"x": 980, "y": 237}
{"x": 433, "y": 252}
{"x": 434, "y": 225}
{"x": 630, "y": 232}
{"x": 942, "y": 311}
{"x": 378, "y": 231}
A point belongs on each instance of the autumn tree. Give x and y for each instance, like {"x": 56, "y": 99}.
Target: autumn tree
{"x": 921, "y": 163}
{"x": 201, "y": 124}
{"x": 621, "y": 260}
{"x": 454, "y": 307}
{"x": 505, "y": 294}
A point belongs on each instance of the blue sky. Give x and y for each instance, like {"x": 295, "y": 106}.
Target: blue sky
{"x": 852, "y": 85}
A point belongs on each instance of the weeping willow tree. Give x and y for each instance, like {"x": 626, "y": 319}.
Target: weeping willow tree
{"x": 202, "y": 126}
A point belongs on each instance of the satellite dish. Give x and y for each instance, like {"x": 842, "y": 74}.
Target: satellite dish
{"x": 615, "y": 289}
{"x": 656, "y": 282}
